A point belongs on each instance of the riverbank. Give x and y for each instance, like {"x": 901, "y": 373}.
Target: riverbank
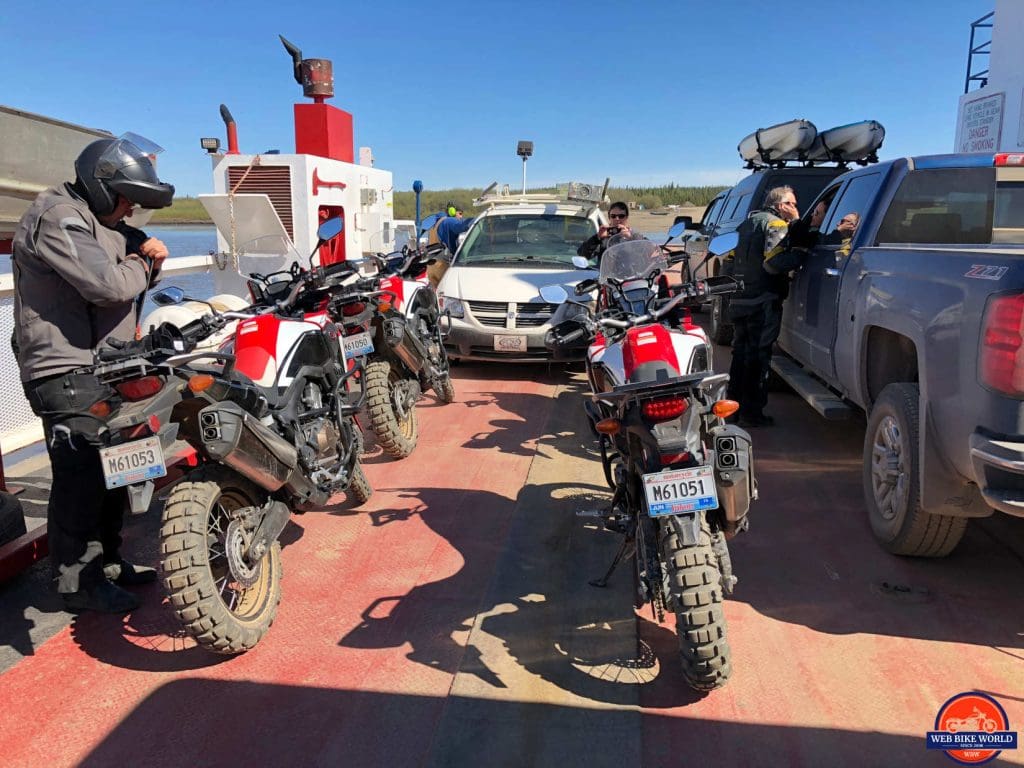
{"x": 646, "y": 221}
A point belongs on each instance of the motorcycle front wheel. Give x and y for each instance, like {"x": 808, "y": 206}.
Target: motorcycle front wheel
{"x": 219, "y": 611}
{"x": 695, "y": 592}
{"x": 445, "y": 390}
{"x": 397, "y": 432}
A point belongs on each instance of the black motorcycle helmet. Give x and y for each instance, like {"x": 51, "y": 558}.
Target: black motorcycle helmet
{"x": 109, "y": 167}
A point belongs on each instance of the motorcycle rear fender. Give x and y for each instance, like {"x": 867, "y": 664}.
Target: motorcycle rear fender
{"x": 140, "y": 495}
{"x": 133, "y": 413}
{"x": 734, "y": 475}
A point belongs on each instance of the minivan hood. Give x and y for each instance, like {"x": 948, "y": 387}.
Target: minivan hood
{"x": 504, "y": 284}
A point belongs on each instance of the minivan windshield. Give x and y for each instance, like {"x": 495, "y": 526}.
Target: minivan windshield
{"x": 537, "y": 239}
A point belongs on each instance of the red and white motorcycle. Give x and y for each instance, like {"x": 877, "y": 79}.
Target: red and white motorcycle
{"x": 683, "y": 478}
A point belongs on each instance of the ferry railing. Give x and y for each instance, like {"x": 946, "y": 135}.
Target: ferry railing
{"x": 19, "y": 427}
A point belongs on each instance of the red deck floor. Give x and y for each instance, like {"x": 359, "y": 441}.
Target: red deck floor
{"x": 448, "y": 622}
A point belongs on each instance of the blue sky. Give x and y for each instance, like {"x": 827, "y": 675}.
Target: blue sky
{"x": 646, "y": 93}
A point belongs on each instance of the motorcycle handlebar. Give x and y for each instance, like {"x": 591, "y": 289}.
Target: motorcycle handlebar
{"x": 571, "y": 337}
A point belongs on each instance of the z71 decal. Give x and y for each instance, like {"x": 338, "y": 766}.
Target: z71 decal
{"x": 986, "y": 272}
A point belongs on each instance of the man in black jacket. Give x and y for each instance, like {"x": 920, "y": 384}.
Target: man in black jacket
{"x": 763, "y": 259}
{"x": 618, "y": 224}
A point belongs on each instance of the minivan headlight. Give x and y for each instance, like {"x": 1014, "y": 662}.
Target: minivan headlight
{"x": 452, "y": 306}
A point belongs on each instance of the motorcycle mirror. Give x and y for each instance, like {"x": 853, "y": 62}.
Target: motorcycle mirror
{"x": 330, "y": 229}
{"x": 326, "y": 232}
{"x": 580, "y": 263}
{"x": 677, "y": 229}
{"x": 722, "y": 244}
{"x": 553, "y": 294}
{"x": 169, "y": 296}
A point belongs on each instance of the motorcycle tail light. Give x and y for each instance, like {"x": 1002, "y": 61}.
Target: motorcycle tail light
{"x": 665, "y": 408}
{"x": 667, "y": 459}
{"x": 140, "y": 389}
{"x": 353, "y": 309}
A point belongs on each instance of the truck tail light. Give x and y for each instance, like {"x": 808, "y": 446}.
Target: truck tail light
{"x": 1001, "y": 360}
{"x": 1009, "y": 158}
{"x": 665, "y": 408}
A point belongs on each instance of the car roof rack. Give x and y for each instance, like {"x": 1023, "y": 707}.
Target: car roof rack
{"x": 573, "y": 192}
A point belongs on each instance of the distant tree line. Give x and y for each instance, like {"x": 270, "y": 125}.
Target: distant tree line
{"x": 190, "y": 209}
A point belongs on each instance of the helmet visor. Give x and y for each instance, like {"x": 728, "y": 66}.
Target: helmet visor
{"x": 127, "y": 166}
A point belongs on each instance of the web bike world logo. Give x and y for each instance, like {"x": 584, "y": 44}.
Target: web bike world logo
{"x": 972, "y": 728}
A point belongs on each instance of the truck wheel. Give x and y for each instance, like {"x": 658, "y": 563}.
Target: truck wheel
{"x": 219, "y": 611}
{"x": 695, "y": 589}
{"x": 892, "y": 485}
{"x": 720, "y": 329}
{"x": 396, "y": 432}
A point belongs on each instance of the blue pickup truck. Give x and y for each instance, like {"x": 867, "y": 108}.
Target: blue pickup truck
{"x": 911, "y": 307}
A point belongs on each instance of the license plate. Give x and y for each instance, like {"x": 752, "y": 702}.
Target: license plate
{"x": 357, "y": 344}
{"x": 509, "y": 343}
{"x": 676, "y": 491}
{"x": 133, "y": 462}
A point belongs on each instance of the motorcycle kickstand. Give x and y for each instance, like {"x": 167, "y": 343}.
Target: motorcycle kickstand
{"x": 619, "y": 557}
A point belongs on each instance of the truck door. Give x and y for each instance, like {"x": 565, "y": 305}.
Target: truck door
{"x": 815, "y": 289}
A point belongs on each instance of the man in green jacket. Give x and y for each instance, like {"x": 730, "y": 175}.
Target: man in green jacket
{"x": 78, "y": 270}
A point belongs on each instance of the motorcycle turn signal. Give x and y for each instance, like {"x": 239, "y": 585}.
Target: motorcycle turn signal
{"x": 723, "y": 409}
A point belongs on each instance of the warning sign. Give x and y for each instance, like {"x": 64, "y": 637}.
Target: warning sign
{"x": 981, "y": 124}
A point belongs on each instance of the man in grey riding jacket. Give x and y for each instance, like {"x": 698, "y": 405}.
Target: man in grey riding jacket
{"x": 78, "y": 270}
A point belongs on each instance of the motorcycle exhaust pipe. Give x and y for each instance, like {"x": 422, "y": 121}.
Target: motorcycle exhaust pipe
{"x": 404, "y": 344}
{"x": 734, "y": 476}
{"x": 235, "y": 438}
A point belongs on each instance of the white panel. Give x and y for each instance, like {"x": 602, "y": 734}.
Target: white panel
{"x": 288, "y": 335}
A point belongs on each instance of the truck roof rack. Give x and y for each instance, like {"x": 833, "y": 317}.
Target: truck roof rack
{"x": 587, "y": 195}
{"x": 800, "y": 142}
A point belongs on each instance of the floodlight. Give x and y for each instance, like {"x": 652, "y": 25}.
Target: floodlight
{"x": 524, "y": 149}
{"x": 211, "y": 145}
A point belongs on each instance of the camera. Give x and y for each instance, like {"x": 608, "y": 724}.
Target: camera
{"x": 613, "y": 230}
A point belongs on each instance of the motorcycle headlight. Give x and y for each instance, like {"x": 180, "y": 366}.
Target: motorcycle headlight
{"x": 453, "y": 306}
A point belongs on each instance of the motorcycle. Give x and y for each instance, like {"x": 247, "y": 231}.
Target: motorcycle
{"x": 270, "y": 417}
{"x": 682, "y": 478}
{"x": 405, "y": 348}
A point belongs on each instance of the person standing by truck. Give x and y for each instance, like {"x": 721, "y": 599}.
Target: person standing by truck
{"x": 78, "y": 270}
{"x": 763, "y": 260}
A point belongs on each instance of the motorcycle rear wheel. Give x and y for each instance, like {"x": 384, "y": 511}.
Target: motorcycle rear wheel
{"x": 221, "y": 615}
{"x": 397, "y": 436}
{"x": 695, "y": 592}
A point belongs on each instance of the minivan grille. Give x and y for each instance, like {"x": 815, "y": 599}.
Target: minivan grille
{"x": 495, "y": 314}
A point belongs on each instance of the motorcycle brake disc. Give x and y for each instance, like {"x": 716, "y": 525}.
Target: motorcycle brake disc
{"x": 236, "y": 544}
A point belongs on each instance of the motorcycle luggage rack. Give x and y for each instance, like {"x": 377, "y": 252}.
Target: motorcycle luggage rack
{"x": 663, "y": 387}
